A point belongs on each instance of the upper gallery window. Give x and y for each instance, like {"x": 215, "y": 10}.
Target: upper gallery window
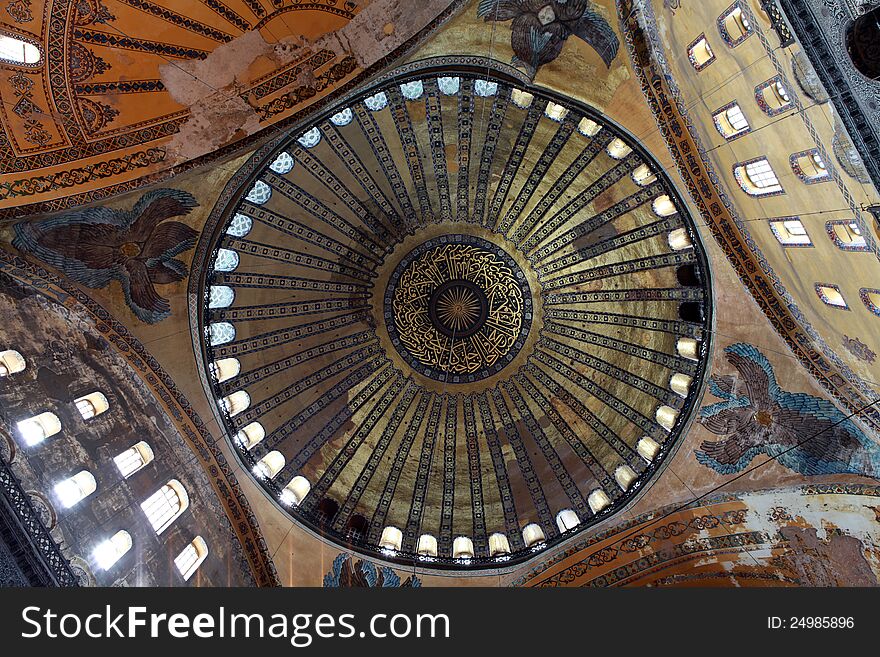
{"x": 700, "y": 53}
{"x": 730, "y": 121}
{"x": 773, "y": 96}
{"x": 11, "y": 362}
{"x": 831, "y": 295}
{"x": 75, "y": 488}
{"x": 789, "y": 231}
{"x": 192, "y": 556}
{"x": 734, "y": 26}
{"x": 113, "y": 549}
{"x": 36, "y": 429}
{"x": 756, "y": 177}
{"x": 92, "y": 405}
{"x": 809, "y": 166}
{"x": 847, "y": 235}
{"x": 18, "y": 51}
{"x": 165, "y": 505}
{"x": 133, "y": 459}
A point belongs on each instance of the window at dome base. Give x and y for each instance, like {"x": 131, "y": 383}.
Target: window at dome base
{"x": 326, "y": 349}
{"x": 16, "y": 51}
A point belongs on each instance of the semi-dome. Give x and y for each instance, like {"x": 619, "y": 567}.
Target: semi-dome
{"x": 469, "y": 318}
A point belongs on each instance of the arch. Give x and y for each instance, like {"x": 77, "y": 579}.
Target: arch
{"x": 11, "y": 362}
{"x": 643, "y": 176}
{"x": 462, "y": 548}
{"x": 92, "y": 405}
{"x": 831, "y": 296}
{"x": 221, "y": 296}
{"x": 679, "y": 240}
{"x": 700, "y": 53}
{"x": 598, "y": 500}
{"x": 295, "y": 491}
{"x": 112, "y": 550}
{"x": 688, "y": 348}
{"x": 226, "y": 369}
{"x": 427, "y": 546}
{"x": 18, "y": 51}
{"x": 498, "y": 544}
{"x": 391, "y": 539}
{"x": 449, "y": 85}
{"x": 666, "y": 417}
{"x": 270, "y": 465}
{"x": 133, "y": 459}
{"x": 227, "y": 260}
{"x": 533, "y": 534}
{"x": 618, "y": 149}
{"x": 221, "y": 333}
{"x": 191, "y": 557}
{"x": 240, "y": 225}
{"x": 76, "y": 488}
{"x": 236, "y": 403}
{"x": 36, "y": 429}
{"x": 567, "y": 519}
{"x": 663, "y": 206}
{"x": 680, "y": 384}
{"x": 164, "y": 506}
{"x": 756, "y": 178}
{"x": 250, "y": 435}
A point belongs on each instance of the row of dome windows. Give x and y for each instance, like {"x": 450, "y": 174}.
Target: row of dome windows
{"x": 162, "y": 508}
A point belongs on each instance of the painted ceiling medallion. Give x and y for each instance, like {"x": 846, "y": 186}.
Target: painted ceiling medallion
{"x": 458, "y": 329}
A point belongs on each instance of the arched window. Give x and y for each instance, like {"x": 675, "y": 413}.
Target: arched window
{"x": 449, "y": 85}
{"x": 260, "y": 193}
{"x": 498, "y": 545}
{"x": 731, "y": 122}
{"x": 522, "y": 99}
{"x": 618, "y": 149}
{"x": 92, "y": 405}
{"x": 555, "y": 112}
{"x": 112, "y": 550}
{"x": 17, "y": 51}
{"x": 756, "y": 178}
{"x": 679, "y": 240}
{"x": 687, "y": 348}
{"x": 831, "y": 295}
{"x": 663, "y": 206}
{"x": 166, "y": 505}
{"x": 295, "y": 492}
{"x": 392, "y": 539}
{"x": 680, "y": 384}
{"x": 75, "y": 488}
{"x": 227, "y": 260}
{"x": 240, "y": 225}
{"x": 226, "y": 369}
{"x": 282, "y": 164}
{"x": 533, "y": 534}
{"x": 666, "y": 417}
{"x": 567, "y": 519}
{"x": 427, "y": 546}
{"x": 648, "y": 448}
{"x": 376, "y": 102}
{"x": 871, "y": 298}
{"x": 809, "y": 166}
{"x": 235, "y": 403}
{"x": 847, "y": 235}
{"x": 462, "y": 548}
{"x": 356, "y": 528}
{"x": 342, "y": 118}
{"x": 133, "y": 459}
{"x": 790, "y": 231}
{"x": 625, "y": 476}
{"x": 310, "y": 138}
{"x": 643, "y": 176}
{"x": 485, "y": 88}
{"x": 221, "y": 333}
{"x": 251, "y": 435}
{"x": 588, "y": 127}
{"x": 192, "y": 556}
{"x": 734, "y": 27}
{"x": 700, "y": 53}
{"x": 221, "y": 296}
{"x": 270, "y": 465}
{"x": 772, "y": 96}
{"x": 598, "y": 500}
{"x": 36, "y": 429}
{"x": 412, "y": 90}
{"x": 11, "y": 362}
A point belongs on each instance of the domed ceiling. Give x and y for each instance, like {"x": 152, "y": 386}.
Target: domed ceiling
{"x": 454, "y": 309}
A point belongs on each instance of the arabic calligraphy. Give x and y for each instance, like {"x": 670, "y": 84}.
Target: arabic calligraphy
{"x": 460, "y": 308}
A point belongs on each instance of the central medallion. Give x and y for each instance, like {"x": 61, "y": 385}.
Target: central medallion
{"x": 458, "y": 308}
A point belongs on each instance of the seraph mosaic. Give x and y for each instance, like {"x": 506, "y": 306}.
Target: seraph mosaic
{"x": 540, "y": 28}
{"x": 136, "y": 247}
{"x": 363, "y": 574}
{"x": 804, "y": 433}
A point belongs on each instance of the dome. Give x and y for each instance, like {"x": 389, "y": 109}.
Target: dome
{"x": 458, "y": 316}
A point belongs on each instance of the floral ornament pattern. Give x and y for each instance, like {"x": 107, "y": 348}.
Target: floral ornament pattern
{"x": 363, "y": 574}
{"x": 807, "y": 434}
{"x": 541, "y": 27}
{"x": 95, "y": 246}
